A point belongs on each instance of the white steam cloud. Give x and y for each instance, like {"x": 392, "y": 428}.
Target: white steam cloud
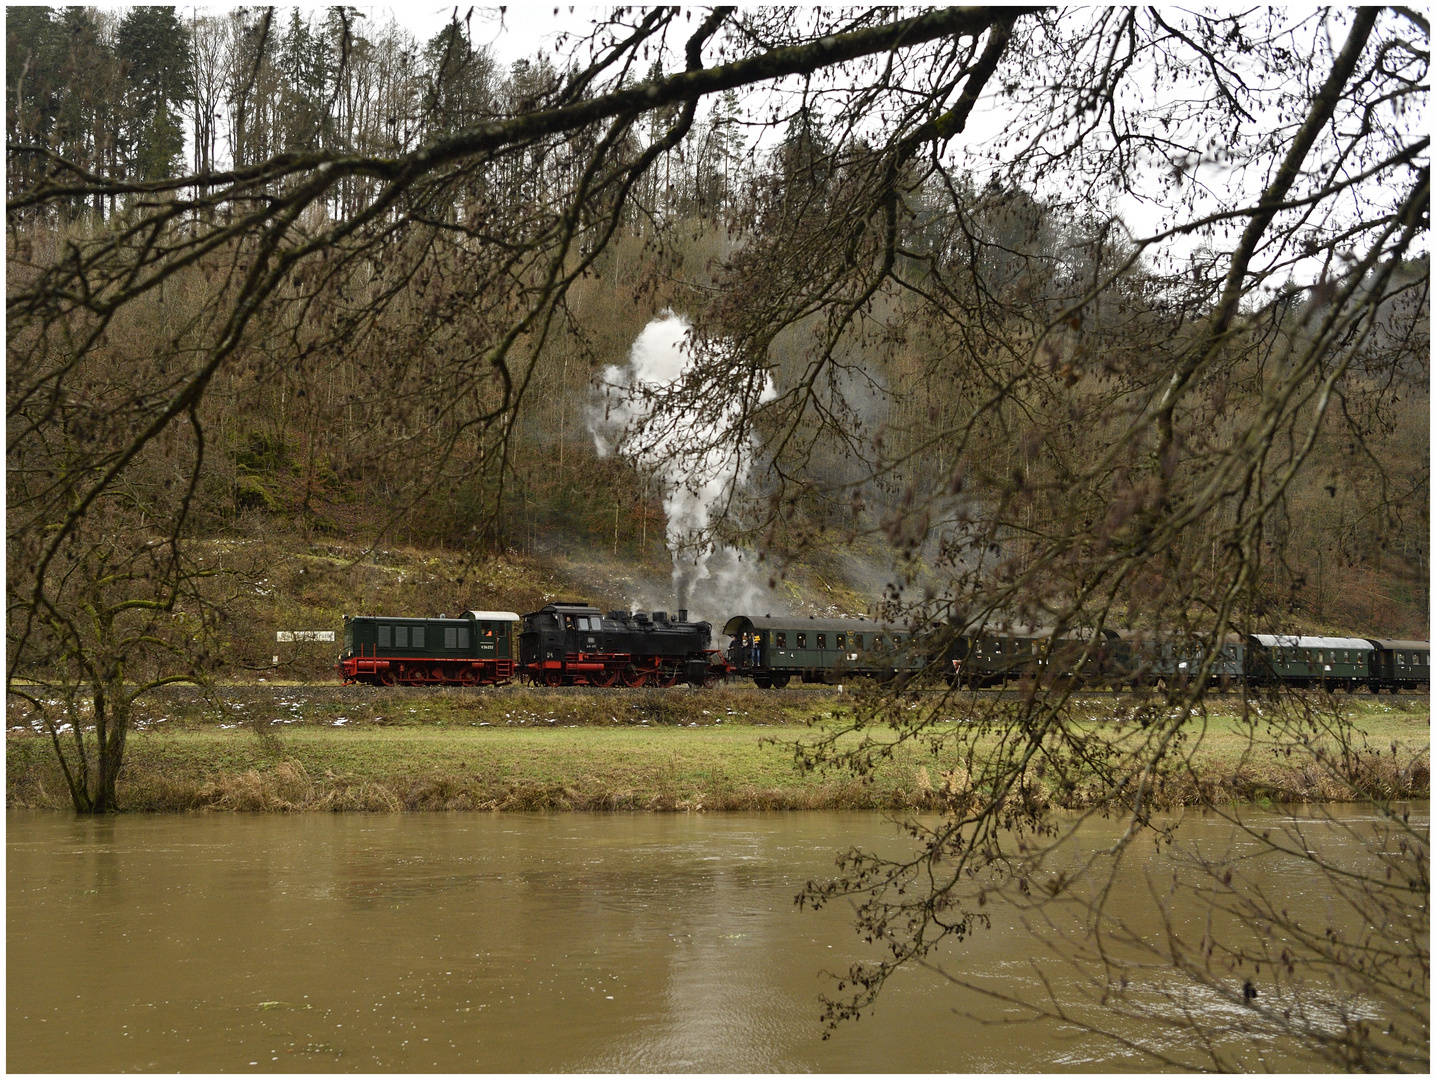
{"x": 671, "y": 412}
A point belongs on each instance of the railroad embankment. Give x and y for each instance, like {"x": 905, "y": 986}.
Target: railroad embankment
{"x": 293, "y": 748}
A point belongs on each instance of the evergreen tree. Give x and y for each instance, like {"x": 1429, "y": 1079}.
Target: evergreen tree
{"x": 154, "y": 47}
{"x": 34, "y": 56}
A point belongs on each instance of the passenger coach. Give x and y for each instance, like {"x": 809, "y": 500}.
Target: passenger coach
{"x": 772, "y": 652}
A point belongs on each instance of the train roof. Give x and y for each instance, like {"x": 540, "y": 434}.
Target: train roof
{"x": 1393, "y": 643}
{"x": 1231, "y": 637}
{"x": 577, "y": 607}
{"x": 485, "y": 616}
{"x": 739, "y": 623}
{"x": 1286, "y": 641}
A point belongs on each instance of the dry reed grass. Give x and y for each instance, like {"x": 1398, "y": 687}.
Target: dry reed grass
{"x": 288, "y": 787}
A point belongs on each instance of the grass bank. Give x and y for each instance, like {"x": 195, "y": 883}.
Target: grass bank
{"x": 286, "y": 748}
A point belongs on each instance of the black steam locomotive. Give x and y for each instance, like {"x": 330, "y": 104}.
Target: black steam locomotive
{"x": 577, "y": 645}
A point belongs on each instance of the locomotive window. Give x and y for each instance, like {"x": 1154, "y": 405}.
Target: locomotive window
{"x": 418, "y": 637}
{"x": 384, "y": 640}
{"x": 802, "y": 641}
{"x": 401, "y": 637}
{"x": 451, "y": 637}
{"x": 822, "y": 641}
{"x": 463, "y": 637}
{"x": 782, "y": 641}
{"x": 842, "y": 641}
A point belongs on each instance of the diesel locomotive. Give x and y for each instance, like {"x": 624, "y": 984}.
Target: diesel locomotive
{"x": 476, "y": 649}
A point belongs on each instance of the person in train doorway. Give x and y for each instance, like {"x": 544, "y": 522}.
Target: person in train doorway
{"x": 757, "y": 641}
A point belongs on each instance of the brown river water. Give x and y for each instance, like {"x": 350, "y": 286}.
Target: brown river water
{"x": 475, "y": 942}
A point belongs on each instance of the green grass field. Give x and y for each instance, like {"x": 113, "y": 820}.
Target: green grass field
{"x": 333, "y": 748}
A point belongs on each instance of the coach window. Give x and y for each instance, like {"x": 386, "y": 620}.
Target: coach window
{"x": 822, "y": 641}
{"x": 782, "y": 641}
{"x": 897, "y": 641}
{"x": 878, "y": 642}
{"x": 842, "y": 641}
{"x": 802, "y": 641}
{"x": 384, "y": 636}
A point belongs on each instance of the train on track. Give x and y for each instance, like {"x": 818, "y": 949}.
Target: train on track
{"x": 575, "y": 644}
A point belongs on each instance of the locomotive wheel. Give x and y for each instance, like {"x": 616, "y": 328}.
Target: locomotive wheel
{"x": 666, "y": 677}
{"x": 386, "y": 678}
{"x": 553, "y": 677}
{"x": 606, "y": 677}
{"x": 468, "y": 676}
{"x": 710, "y": 679}
{"x": 634, "y": 678}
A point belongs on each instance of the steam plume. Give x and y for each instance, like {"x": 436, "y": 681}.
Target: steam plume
{"x": 674, "y": 411}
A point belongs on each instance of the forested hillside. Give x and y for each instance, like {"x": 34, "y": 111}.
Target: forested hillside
{"x": 358, "y": 411}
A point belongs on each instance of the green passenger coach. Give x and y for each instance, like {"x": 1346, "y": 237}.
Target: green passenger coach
{"x": 773, "y": 651}
{"x": 475, "y": 649}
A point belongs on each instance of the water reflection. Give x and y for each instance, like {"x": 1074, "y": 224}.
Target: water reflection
{"x": 472, "y": 942}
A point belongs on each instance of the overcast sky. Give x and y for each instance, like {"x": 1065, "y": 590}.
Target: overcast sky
{"x": 524, "y": 28}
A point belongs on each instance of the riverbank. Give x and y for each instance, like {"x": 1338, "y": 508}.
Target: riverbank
{"x": 294, "y": 748}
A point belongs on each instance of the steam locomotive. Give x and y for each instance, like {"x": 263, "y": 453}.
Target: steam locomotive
{"x": 575, "y": 644}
